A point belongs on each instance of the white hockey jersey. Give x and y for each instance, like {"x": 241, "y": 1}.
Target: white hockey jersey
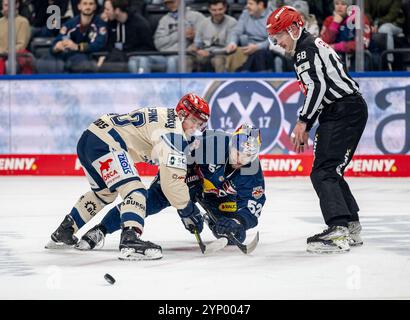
{"x": 151, "y": 135}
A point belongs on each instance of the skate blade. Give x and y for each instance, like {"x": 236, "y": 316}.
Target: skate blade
{"x": 130, "y": 254}
{"x": 356, "y": 244}
{"x": 57, "y": 245}
{"x": 83, "y": 246}
{"x": 320, "y": 249}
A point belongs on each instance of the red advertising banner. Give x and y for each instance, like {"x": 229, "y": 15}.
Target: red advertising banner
{"x": 272, "y": 165}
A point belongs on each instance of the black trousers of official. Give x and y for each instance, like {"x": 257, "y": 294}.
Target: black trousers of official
{"x": 341, "y": 125}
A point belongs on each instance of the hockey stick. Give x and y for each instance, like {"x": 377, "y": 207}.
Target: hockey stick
{"x": 202, "y": 245}
{"x": 212, "y": 247}
{"x": 245, "y": 248}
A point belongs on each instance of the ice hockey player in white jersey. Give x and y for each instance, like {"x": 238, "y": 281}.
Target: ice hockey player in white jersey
{"x": 108, "y": 150}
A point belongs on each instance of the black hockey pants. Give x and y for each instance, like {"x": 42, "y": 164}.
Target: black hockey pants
{"x": 341, "y": 125}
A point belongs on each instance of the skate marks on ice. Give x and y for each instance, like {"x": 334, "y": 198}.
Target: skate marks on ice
{"x": 389, "y": 232}
{"x": 10, "y": 263}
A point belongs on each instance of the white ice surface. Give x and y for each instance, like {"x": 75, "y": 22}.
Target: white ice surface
{"x": 31, "y": 208}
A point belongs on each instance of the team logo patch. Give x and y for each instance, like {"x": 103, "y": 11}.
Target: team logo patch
{"x": 227, "y": 207}
{"x": 105, "y": 166}
{"x": 103, "y": 30}
{"x": 107, "y": 169}
{"x": 257, "y": 192}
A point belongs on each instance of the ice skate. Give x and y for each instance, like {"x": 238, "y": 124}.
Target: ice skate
{"x": 63, "y": 237}
{"x": 93, "y": 238}
{"x": 355, "y": 239}
{"x": 334, "y": 239}
{"x": 133, "y": 248}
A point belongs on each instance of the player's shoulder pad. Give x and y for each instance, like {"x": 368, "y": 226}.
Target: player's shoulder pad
{"x": 176, "y": 142}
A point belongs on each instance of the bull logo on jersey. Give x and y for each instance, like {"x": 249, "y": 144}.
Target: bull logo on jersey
{"x": 257, "y": 192}
{"x": 271, "y": 106}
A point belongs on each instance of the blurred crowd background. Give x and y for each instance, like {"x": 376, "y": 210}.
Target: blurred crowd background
{"x": 142, "y": 36}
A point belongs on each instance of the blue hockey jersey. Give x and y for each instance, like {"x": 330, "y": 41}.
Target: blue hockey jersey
{"x": 91, "y": 38}
{"x": 229, "y": 192}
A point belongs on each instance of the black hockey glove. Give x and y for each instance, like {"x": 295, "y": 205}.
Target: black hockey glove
{"x": 191, "y": 217}
{"x": 224, "y": 226}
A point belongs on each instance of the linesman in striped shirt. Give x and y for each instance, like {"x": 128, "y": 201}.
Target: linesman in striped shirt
{"x": 333, "y": 97}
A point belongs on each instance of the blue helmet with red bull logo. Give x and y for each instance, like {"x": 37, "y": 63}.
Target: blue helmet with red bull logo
{"x": 246, "y": 143}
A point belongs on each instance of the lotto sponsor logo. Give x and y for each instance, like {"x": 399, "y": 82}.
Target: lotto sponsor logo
{"x": 288, "y": 165}
{"x": 125, "y": 165}
{"x": 372, "y": 165}
{"x": 22, "y": 164}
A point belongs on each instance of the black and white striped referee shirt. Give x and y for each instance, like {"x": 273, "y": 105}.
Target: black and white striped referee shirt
{"x": 322, "y": 76}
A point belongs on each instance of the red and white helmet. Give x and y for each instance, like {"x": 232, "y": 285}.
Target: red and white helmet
{"x": 282, "y": 19}
{"x": 194, "y": 105}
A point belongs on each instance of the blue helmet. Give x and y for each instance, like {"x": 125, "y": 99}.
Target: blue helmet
{"x": 247, "y": 141}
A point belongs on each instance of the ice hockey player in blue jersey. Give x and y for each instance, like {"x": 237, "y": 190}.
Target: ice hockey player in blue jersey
{"x": 224, "y": 176}
{"x": 234, "y": 188}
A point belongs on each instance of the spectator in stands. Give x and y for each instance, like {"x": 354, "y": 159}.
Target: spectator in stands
{"x": 133, "y": 34}
{"x": 166, "y": 37}
{"x": 78, "y": 38}
{"x": 339, "y": 31}
{"x": 319, "y": 8}
{"x": 311, "y": 24}
{"x": 387, "y": 17}
{"x": 108, "y": 15}
{"x": 24, "y": 62}
{"x": 250, "y": 35}
{"x": 211, "y": 38}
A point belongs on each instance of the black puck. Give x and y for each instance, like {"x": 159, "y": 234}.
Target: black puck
{"x": 109, "y": 278}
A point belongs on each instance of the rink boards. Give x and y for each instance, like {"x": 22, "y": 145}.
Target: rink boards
{"x": 272, "y": 165}
{"x": 44, "y": 116}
